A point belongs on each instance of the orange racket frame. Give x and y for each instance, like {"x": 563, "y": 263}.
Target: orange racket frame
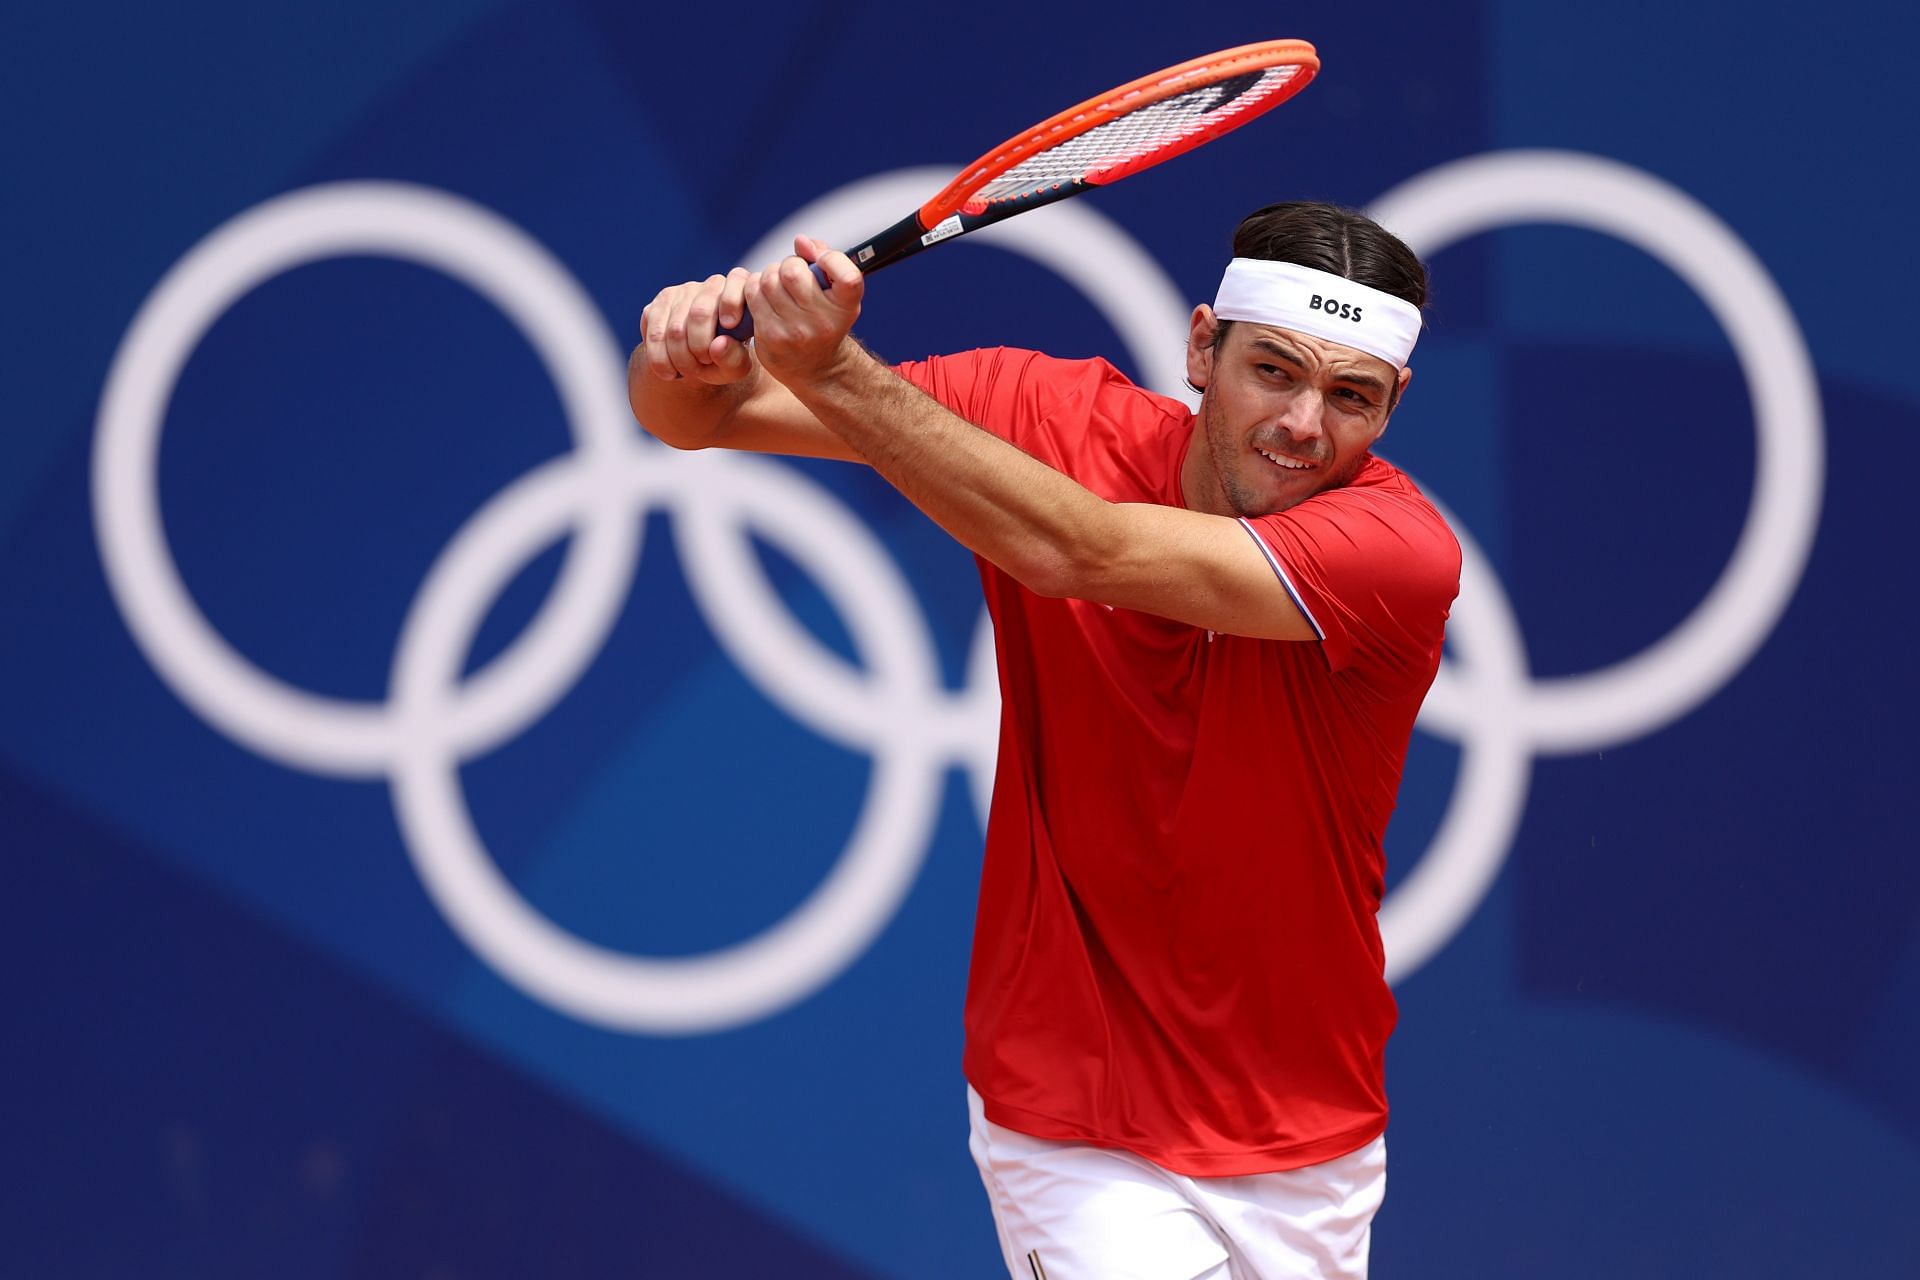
{"x": 1128, "y": 98}
{"x": 960, "y": 207}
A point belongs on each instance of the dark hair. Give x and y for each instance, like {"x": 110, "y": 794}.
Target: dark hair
{"x": 1328, "y": 237}
{"x": 1334, "y": 239}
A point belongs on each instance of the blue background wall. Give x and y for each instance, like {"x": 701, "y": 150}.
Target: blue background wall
{"x": 1677, "y": 1036}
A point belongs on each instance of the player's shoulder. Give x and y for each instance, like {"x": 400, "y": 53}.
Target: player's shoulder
{"x": 1390, "y": 495}
{"x": 1101, "y": 398}
{"x": 1040, "y": 367}
{"x": 1043, "y": 385}
{"x": 1095, "y": 371}
{"x": 1380, "y": 480}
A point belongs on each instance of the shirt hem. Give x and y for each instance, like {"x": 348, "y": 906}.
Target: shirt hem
{"x": 1193, "y": 1164}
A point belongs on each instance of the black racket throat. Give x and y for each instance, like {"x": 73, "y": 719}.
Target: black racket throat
{"x": 909, "y": 236}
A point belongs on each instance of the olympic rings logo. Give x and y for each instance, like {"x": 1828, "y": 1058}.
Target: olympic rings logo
{"x": 891, "y": 706}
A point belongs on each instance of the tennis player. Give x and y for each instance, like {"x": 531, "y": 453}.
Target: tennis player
{"x": 1214, "y": 632}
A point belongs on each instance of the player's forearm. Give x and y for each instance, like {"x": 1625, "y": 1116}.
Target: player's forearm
{"x": 687, "y": 413}
{"x": 1030, "y": 520}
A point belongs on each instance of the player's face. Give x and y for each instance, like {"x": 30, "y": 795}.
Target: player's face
{"x": 1286, "y": 416}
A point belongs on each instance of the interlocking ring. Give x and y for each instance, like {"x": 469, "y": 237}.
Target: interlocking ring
{"x": 891, "y": 704}
{"x": 301, "y": 729}
{"x": 1493, "y": 706}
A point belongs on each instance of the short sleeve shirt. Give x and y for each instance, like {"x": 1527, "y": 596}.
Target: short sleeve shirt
{"x": 1176, "y": 951}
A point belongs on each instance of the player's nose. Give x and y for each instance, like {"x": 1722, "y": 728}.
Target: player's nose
{"x": 1302, "y": 416}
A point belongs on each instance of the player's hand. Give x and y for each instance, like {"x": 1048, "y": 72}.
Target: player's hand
{"x": 800, "y": 331}
{"x": 679, "y": 330}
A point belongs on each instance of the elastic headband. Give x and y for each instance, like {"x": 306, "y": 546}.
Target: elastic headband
{"x": 1319, "y": 303}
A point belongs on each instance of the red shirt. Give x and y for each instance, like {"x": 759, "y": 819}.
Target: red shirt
{"x": 1176, "y": 951}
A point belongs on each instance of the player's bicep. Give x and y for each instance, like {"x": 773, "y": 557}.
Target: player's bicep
{"x": 1206, "y": 571}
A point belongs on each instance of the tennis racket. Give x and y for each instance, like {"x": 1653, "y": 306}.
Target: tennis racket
{"x": 1094, "y": 144}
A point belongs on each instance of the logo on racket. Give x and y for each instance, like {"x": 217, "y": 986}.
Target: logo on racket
{"x": 892, "y": 705}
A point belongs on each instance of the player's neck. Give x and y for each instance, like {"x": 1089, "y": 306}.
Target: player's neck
{"x": 1200, "y": 488}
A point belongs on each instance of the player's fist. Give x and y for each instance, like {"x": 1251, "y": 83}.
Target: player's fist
{"x": 680, "y": 330}
{"x": 800, "y": 328}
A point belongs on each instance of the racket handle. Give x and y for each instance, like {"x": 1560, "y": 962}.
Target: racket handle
{"x": 743, "y": 332}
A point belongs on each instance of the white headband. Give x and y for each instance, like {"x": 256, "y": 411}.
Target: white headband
{"x": 1321, "y": 304}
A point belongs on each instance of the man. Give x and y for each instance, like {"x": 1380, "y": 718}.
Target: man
{"x": 1214, "y": 633}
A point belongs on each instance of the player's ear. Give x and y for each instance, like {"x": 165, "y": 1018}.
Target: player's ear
{"x": 1393, "y": 402}
{"x": 1200, "y": 331}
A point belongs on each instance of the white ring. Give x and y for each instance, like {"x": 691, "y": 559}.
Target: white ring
{"x": 305, "y": 730}
{"x": 722, "y": 988}
{"x": 862, "y": 709}
{"x": 1634, "y": 697}
{"x": 1444, "y": 888}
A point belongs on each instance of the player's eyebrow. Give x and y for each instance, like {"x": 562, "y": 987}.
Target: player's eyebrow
{"x": 1273, "y": 346}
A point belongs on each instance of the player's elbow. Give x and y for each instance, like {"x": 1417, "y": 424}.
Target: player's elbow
{"x": 661, "y": 429}
{"x": 656, "y": 412}
{"x": 1044, "y": 578}
{"x": 1082, "y": 555}
{"x": 1059, "y": 572}
{"x": 685, "y": 443}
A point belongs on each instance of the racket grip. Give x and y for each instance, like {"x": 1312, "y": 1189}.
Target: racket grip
{"x": 743, "y": 332}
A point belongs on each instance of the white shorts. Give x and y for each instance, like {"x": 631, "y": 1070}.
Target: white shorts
{"x": 1067, "y": 1211}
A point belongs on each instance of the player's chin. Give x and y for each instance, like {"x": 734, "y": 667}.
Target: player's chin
{"x": 1275, "y": 489}
{"x": 1253, "y": 503}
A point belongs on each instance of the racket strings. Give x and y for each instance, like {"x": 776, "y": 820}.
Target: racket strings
{"x": 1138, "y": 134}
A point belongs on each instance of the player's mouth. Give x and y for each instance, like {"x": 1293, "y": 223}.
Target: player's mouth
{"x": 1284, "y": 461}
